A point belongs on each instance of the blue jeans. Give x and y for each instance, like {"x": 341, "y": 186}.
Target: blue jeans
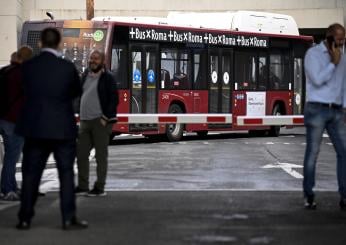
{"x": 318, "y": 118}
{"x": 13, "y": 145}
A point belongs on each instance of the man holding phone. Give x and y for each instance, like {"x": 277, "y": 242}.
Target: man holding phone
{"x": 325, "y": 77}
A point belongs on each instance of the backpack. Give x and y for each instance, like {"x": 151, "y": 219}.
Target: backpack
{"x": 4, "y": 99}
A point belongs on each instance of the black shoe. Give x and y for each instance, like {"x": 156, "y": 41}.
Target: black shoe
{"x": 96, "y": 193}
{"x": 310, "y": 203}
{"x": 41, "y": 194}
{"x": 342, "y": 203}
{"x": 80, "y": 191}
{"x": 75, "y": 224}
{"x": 23, "y": 225}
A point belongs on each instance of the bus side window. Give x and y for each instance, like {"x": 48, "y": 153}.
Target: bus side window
{"x": 180, "y": 78}
{"x": 165, "y": 76}
{"x": 167, "y": 68}
{"x": 246, "y": 70}
{"x": 262, "y": 72}
{"x": 119, "y": 67}
{"x": 200, "y": 75}
{"x": 279, "y": 71}
{"x": 174, "y": 69}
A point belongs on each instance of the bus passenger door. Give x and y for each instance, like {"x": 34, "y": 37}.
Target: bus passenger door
{"x": 298, "y": 86}
{"x": 220, "y": 64}
{"x": 214, "y": 82}
{"x": 225, "y": 90}
{"x": 200, "y": 83}
{"x": 143, "y": 82}
{"x": 298, "y": 95}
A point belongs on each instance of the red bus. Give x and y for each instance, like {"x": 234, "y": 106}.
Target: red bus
{"x": 162, "y": 66}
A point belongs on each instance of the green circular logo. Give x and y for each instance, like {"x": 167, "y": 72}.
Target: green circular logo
{"x": 98, "y": 35}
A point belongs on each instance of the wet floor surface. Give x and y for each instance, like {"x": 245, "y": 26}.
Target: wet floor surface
{"x": 185, "y": 217}
{"x": 222, "y": 189}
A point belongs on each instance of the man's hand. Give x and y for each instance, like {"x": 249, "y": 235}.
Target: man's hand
{"x": 335, "y": 54}
{"x": 103, "y": 122}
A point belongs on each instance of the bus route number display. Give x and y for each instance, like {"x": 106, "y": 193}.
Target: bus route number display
{"x": 183, "y": 36}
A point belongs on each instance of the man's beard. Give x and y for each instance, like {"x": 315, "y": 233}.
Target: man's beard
{"x": 97, "y": 69}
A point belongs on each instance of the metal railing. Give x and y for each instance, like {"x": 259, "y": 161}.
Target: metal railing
{"x": 197, "y": 118}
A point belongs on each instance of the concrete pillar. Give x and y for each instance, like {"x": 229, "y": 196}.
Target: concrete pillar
{"x": 10, "y": 27}
{"x": 90, "y": 9}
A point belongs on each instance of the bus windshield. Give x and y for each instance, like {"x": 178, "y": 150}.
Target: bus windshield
{"x": 77, "y": 44}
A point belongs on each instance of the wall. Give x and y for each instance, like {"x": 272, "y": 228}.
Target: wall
{"x": 11, "y": 13}
{"x": 308, "y": 13}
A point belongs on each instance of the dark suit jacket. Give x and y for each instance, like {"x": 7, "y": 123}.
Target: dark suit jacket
{"x": 14, "y": 92}
{"x": 50, "y": 85}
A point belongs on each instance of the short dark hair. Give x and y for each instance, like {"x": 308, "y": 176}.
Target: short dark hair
{"x": 24, "y": 53}
{"x": 50, "y": 38}
{"x": 13, "y": 59}
{"x": 331, "y": 30}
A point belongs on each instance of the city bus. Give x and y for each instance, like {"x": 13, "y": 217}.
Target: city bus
{"x": 243, "y": 63}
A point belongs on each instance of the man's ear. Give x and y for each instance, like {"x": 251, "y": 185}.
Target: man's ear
{"x": 39, "y": 44}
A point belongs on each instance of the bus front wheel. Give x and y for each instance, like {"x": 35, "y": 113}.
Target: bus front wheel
{"x": 174, "y": 132}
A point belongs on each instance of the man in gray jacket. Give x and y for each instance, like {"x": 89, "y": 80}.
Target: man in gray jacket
{"x": 97, "y": 114}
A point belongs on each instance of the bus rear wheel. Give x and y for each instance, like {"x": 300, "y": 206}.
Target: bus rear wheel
{"x": 174, "y": 132}
{"x": 274, "y": 131}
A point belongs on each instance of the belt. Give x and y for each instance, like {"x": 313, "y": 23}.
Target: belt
{"x": 329, "y": 105}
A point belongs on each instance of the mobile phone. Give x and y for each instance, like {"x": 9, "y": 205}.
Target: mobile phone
{"x": 330, "y": 41}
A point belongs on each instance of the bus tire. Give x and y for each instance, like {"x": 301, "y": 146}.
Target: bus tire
{"x": 174, "y": 132}
{"x": 274, "y": 131}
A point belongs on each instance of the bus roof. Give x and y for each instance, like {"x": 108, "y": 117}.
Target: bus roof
{"x": 212, "y": 30}
{"x": 243, "y": 21}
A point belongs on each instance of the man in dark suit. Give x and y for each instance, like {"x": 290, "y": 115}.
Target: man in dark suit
{"x": 48, "y": 125}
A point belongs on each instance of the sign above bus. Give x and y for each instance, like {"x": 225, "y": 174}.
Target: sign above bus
{"x": 184, "y": 36}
